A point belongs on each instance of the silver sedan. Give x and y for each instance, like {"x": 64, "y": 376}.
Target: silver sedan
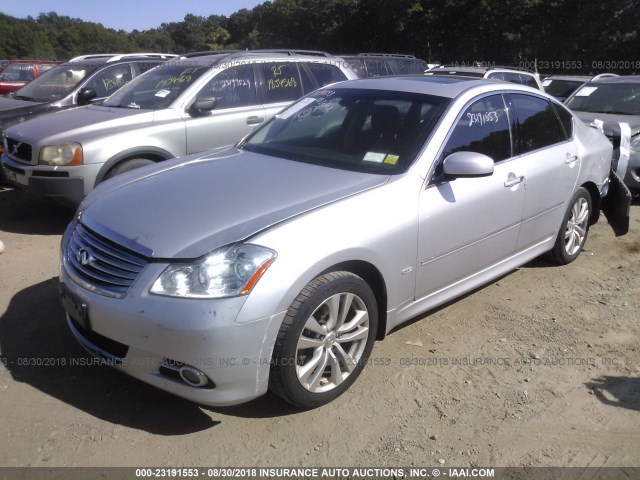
{"x": 278, "y": 263}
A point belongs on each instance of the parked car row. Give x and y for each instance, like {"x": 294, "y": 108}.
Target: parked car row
{"x": 308, "y": 215}
{"x": 16, "y": 73}
{"x": 184, "y": 106}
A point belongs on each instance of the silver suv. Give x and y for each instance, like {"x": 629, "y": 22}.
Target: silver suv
{"x": 184, "y": 106}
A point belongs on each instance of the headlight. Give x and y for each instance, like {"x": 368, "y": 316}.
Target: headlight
{"x": 227, "y": 272}
{"x": 65, "y": 154}
{"x": 635, "y": 143}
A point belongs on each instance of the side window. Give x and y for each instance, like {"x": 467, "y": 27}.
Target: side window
{"x": 325, "y": 73}
{"x": 110, "y": 80}
{"x": 378, "y": 68}
{"x": 529, "y": 81}
{"x": 43, "y": 67}
{"x": 512, "y": 77}
{"x": 566, "y": 119}
{"x": 496, "y": 76}
{"x": 26, "y": 73}
{"x": 282, "y": 82}
{"x": 233, "y": 87}
{"x": 536, "y": 123}
{"x": 144, "y": 66}
{"x": 483, "y": 128}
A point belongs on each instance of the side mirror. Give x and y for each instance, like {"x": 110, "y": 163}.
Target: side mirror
{"x": 203, "y": 105}
{"x": 467, "y": 164}
{"x": 86, "y": 95}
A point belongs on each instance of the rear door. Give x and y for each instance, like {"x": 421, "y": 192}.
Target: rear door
{"x": 282, "y": 83}
{"x": 546, "y": 147}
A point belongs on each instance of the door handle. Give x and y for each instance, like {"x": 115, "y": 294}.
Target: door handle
{"x": 569, "y": 159}
{"x": 254, "y": 120}
{"x": 514, "y": 181}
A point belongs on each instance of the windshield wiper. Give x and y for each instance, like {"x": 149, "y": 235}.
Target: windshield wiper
{"x": 22, "y": 97}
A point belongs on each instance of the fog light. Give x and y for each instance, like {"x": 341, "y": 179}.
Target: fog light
{"x": 192, "y": 376}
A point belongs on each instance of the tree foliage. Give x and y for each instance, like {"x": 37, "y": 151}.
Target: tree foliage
{"x": 572, "y": 32}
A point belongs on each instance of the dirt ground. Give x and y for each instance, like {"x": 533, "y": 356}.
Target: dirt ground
{"x": 539, "y": 368}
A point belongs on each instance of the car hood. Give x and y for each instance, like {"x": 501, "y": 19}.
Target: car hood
{"x": 611, "y": 122}
{"x": 185, "y": 208}
{"x": 70, "y": 125}
{"x": 12, "y": 109}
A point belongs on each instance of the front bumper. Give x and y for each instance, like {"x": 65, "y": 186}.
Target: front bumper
{"x": 65, "y": 184}
{"x": 149, "y": 330}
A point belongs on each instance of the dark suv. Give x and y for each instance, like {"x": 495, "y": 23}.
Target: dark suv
{"x": 372, "y": 65}
{"x": 79, "y": 81}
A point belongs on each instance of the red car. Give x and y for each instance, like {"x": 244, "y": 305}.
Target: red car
{"x": 18, "y": 72}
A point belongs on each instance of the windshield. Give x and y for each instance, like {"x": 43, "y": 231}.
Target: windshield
{"x": 615, "y": 98}
{"x": 157, "y": 88}
{"x": 561, "y": 88}
{"x": 368, "y": 131}
{"x": 55, "y": 84}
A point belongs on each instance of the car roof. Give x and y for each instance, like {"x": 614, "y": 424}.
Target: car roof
{"x": 576, "y": 78}
{"x": 210, "y": 59}
{"x": 477, "y": 70}
{"x": 439, "y": 85}
{"x": 108, "y": 58}
{"x": 620, "y": 79}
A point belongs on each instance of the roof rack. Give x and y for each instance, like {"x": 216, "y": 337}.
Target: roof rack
{"x": 260, "y": 51}
{"x": 487, "y": 67}
{"x": 113, "y": 57}
{"x": 385, "y": 55}
{"x": 507, "y": 67}
{"x": 208, "y": 52}
{"x": 287, "y": 51}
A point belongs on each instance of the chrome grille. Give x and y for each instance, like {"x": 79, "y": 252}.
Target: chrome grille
{"x": 18, "y": 150}
{"x": 100, "y": 265}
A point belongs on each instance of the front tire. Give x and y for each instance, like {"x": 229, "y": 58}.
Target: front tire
{"x": 574, "y": 230}
{"x": 325, "y": 340}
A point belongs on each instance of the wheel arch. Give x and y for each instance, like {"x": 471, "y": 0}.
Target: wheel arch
{"x": 150, "y": 153}
{"x": 372, "y": 276}
{"x": 596, "y": 201}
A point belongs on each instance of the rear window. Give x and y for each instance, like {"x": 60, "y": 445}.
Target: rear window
{"x": 325, "y": 73}
{"x": 282, "y": 81}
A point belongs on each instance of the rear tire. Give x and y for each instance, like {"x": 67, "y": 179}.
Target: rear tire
{"x": 574, "y": 230}
{"x": 127, "y": 166}
{"x": 325, "y": 340}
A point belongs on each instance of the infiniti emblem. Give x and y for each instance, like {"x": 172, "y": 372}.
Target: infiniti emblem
{"x": 84, "y": 257}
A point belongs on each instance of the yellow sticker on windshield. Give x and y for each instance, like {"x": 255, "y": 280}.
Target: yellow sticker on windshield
{"x": 391, "y": 159}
